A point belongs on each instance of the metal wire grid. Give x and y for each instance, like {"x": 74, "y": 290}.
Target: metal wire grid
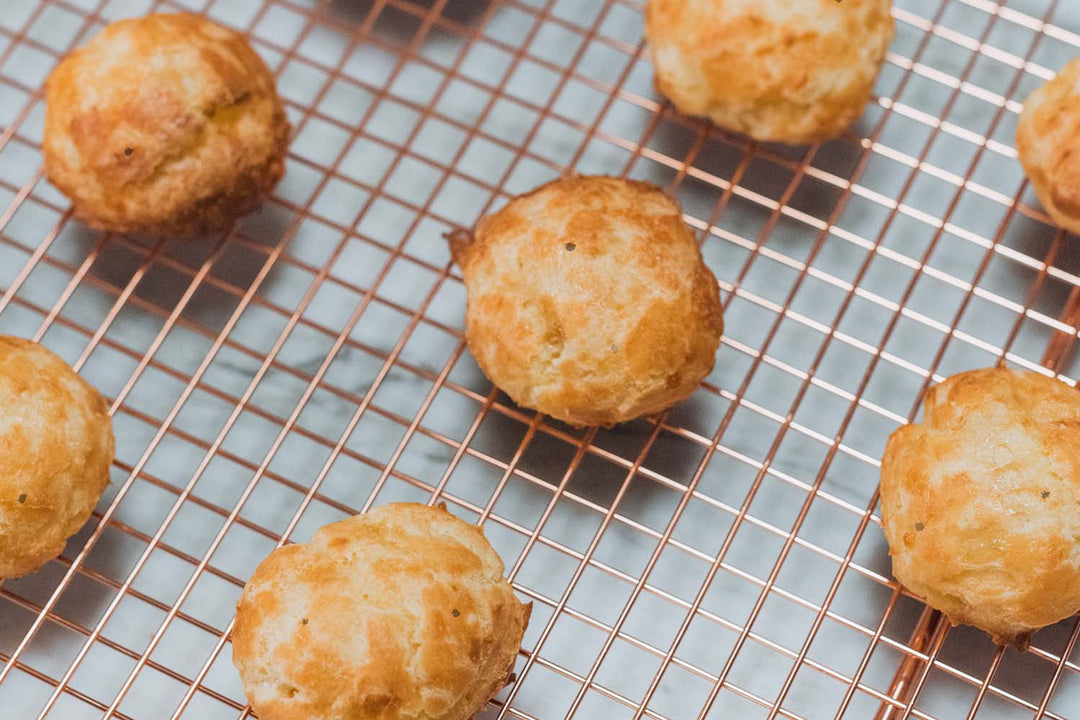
{"x": 723, "y": 562}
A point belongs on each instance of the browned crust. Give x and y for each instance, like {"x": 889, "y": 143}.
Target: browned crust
{"x": 167, "y": 124}
{"x": 785, "y": 72}
{"x": 589, "y": 300}
{"x": 1046, "y": 143}
{"x": 400, "y": 613}
{"x": 56, "y": 445}
{"x": 979, "y": 502}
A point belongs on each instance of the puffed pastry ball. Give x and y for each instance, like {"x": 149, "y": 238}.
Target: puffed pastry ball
{"x": 980, "y": 502}
{"x": 589, "y": 301}
{"x": 56, "y": 445}
{"x": 792, "y": 71}
{"x": 1048, "y": 143}
{"x": 167, "y": 125}
{"x": 399, "y": 614}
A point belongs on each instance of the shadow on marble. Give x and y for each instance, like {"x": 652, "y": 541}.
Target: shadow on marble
{"x": 400, "y": 26}
{"x": 169, "y": 276}
{"x": 83, "y": 602}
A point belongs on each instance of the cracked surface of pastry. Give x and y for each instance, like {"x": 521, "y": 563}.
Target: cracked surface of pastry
{"x": 401, "y": 613}
{"x": 56, "y": 445}
{"x": 589, "y": 301}
{"x": 1048, "y": 146}
{"x": 792, "y": 71}
{"x": 979, "y": 501}
{"x": 168, "y": 125}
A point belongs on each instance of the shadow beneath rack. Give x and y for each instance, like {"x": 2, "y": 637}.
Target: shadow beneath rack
{"x": 660, "y": 466}
{"x": 81, "y": 603}
{"x": 599, "y": 474}
{"x": 215, "y": 275}
{"x": 399, "y": 24}
{"x": 766, "y": 177}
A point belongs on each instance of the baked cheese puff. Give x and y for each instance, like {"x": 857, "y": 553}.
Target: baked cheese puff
{"x": 56, "y": 445}
{"x": 1048, "y": 144}
{"x": 979, "y": 501}
{"x": 167, "y": 124}
{"x": 398, "y": 614}
{"x": 589, "y": 301}
{"x": 776, "y": 70}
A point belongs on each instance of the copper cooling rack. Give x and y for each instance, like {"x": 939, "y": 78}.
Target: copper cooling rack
{"x": 726, "y": 561}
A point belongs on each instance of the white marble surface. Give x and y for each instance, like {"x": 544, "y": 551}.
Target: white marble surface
{"x": 375, "y": 225}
